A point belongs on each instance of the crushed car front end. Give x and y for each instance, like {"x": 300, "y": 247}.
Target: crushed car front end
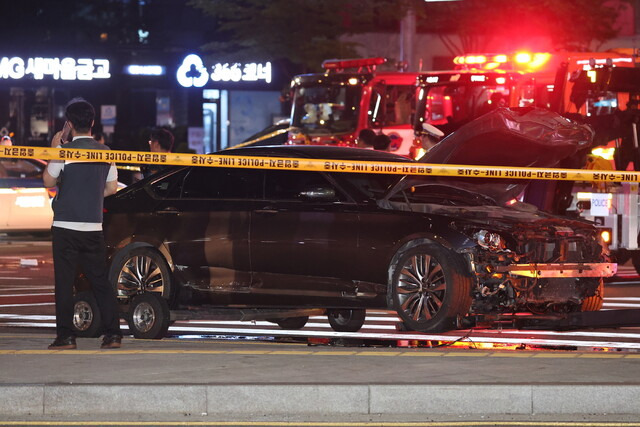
{"x": 538, "y": 263}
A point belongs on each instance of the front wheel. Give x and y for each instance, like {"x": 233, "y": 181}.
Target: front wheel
{"x": 346, "y": 320}
{"x": 429, "y": 288}
{"x": 87, "y": 321}
{"x": 148, "y": 316}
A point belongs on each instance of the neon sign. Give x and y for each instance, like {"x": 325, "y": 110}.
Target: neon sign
{"x": 145, "y": 70}
{"x": 17, "y": 68}
{"x": 193, "y": 73}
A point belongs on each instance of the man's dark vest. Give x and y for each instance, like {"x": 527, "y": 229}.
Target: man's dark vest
{"x": 81, "y": 187}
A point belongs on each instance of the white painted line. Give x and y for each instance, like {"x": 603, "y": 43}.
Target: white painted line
{"x": 392, "y": 327}
{"x": 409, "y": 336}
{"x": 26, "y": 305}
{"x": 26, "y": 317}
{"x": 25, "y": 295}
{"x": 619, "y": 304}
{"x": 573, "y": 333}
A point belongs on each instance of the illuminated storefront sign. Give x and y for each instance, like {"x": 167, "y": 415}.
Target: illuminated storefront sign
{"x": 145, "y": 70}
{"x": 193, "y": 73}
{"x": 39, "y": 68}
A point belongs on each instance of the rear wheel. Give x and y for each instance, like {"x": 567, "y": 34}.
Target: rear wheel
{"x": 429, "y": 288}
{"x": 142, "y": 270}
{"x": 346, "y": 320}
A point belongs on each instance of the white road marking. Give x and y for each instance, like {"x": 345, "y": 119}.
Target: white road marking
{"x": 26, "y": 305}
{"x": 24, "y": 295}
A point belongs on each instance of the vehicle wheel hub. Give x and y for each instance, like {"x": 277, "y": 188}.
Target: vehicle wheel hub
{"x": 82, "y": 316}
{"x": 143, "y": 317}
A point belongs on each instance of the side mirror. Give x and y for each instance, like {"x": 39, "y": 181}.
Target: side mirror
{"x": 318, "y": 194}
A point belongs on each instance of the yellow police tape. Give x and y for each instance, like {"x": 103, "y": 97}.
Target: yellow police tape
{"x": 263, "y": 137}
{"x": 322, "y": 165}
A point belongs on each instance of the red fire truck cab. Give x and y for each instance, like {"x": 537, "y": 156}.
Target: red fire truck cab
{"x": 334, "y": 107}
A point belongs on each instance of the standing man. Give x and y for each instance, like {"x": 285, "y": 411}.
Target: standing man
{"x": 160, "y": 141}
{"x": 77, "y": 238}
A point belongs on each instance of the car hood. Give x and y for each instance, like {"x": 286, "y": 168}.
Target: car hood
{"x": 474, "y": 207}
{"x": 496, "y": 217}
{"x": 528, "y": 137}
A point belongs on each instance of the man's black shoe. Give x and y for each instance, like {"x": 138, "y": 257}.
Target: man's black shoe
{"x": 68, "y": 343}
{"x": 111, "y": 341}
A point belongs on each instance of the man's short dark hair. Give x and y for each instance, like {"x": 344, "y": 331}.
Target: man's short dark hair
{"x": 81, "y": 114}
{"x": 163, "y": 137}
{"x": 381, "y": 142}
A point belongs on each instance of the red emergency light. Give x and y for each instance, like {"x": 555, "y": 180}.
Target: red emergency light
{"x": 341, "y": 64}
{"x": 519, "y": 60}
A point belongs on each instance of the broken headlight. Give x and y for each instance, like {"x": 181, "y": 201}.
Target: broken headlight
{"x": 490, "y": 240}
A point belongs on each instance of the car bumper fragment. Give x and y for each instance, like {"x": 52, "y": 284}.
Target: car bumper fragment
{"x": 551, "y": 270}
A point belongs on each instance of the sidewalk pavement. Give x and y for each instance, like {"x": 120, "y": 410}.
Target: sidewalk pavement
{"x": 245, "y": 378}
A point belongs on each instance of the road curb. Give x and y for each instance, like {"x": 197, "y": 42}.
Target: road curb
{"x": 306, "y": 399}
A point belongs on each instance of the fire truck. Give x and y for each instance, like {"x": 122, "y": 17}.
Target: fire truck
{"x": 479, "y": 82}
{"x": 353, "y": 104}
{"x": 598, "y": 88}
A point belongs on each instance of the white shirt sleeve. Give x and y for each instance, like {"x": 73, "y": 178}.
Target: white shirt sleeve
{"x": 55, "y": 167}
{"x": 113, "y": 173}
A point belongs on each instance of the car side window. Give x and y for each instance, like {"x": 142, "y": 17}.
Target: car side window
{"x": 366, "y": 186}
{"x": 170, "y": 186}
{"x": 222, "y": 183}
{"x": 288, "y": 185}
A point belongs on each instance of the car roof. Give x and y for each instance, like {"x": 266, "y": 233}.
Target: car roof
{"x": 316, "y": 152}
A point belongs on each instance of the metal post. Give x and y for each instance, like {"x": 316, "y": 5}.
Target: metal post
{"x": 407, "y": 36}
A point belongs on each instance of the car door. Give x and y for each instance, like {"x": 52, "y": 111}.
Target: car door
{"x": 209, "y": 231}
{"x": 303, "y": 237}
{"x": 25, "y": 202}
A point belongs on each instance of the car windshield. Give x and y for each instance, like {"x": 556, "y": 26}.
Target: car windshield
{"x": 412, "y": 191}
{"x": 326, "y": 108}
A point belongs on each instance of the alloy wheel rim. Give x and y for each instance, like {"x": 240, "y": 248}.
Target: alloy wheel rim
{"x": 82, "y": 316}
{"x": 421, "y": 287}
{"x": 342, "y": 317}
{"x": 144, "y": 317}
{"x": 139, "y": 274}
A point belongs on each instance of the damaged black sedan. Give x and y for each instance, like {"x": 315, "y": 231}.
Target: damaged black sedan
{"x": 436, "y": 251}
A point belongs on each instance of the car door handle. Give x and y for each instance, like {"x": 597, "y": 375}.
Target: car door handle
{"x": 267, "y": 211}
{"x": 168, "y": 211}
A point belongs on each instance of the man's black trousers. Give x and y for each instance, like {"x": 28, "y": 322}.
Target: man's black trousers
{"x": 85, "y": 249}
